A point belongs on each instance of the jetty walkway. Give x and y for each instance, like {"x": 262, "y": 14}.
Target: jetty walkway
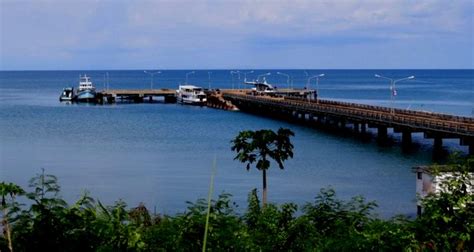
{"x": 136, "y": 95}
{"x": 434, "y": 125}
{"x": 303, "y": 106}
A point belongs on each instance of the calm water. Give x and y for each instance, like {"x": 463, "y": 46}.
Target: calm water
{"x": 162, "y": 154}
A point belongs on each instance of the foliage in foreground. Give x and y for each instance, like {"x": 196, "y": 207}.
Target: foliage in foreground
{"x": 260, "y": 147}
{"x": 326, "y": 224}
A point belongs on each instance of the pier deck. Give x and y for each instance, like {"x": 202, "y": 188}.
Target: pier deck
{"x": 433, "y": 125}
{"x": 136, "y": 95}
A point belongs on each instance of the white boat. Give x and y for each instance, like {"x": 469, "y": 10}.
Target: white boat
{"x": 261, "y": 87}
{"x": 86, "y": 91}
{"x": 189, "y": 94}
{"x": 67, "y": 94}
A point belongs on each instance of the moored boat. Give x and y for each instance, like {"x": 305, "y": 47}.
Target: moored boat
{"x": 67, "y": 94}
{"x": 86, "y": 91}
{"x": 261, "y": 86}
{"x": 189, "y": 94}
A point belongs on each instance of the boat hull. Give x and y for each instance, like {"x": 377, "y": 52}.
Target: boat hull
{"x": 86, "y": 96}
{"x": 67, "y": 94}
{"x": 189, "y": 101}
{"x": 65, "y": 99}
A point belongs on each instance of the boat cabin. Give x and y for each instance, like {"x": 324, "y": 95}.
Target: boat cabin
{"x": 191, "y": 89}
{"x": 85, "y": 83}
{"x": 261, "y": 86}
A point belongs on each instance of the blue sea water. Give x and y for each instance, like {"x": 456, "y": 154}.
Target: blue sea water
{"x": 162, "y": 154}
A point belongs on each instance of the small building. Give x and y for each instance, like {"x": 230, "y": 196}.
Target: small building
{"x": 430, "y": 182}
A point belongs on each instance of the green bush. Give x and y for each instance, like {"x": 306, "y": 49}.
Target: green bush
{"x": 47, "y": 223}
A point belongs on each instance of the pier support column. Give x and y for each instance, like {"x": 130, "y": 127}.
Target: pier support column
{"x": 469, "y": 142}
{"x": 438, "y": 143}
{"x": 382, "y": 133}
{"x": 342, "y": 124}
{"x": 363, "y": 128}
{"x": 356, "y": 127}
{"x": 170, "y": 99}
{"x": 406, "y": 138}
{"x": 438, "y": 152}
{"x": 320, "y": 119}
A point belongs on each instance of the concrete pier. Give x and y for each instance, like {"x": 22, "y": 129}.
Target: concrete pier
{"x": 336, "y": 115}
{"x": 136, "y": 95}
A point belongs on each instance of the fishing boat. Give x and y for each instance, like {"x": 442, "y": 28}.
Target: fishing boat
{"x": 86, "y": 91}
{"x": 67, "y": 94}
{"x": 189, "y": 94}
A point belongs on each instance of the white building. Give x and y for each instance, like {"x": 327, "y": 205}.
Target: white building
{"x": 428, "y": 183}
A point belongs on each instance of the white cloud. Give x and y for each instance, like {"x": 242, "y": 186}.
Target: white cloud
{"x": 62, "y": 29}
{"x": 397, "y": 19}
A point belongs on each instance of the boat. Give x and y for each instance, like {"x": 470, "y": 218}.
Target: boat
{"x": 86, "y": 91}
{"x": 67, "y": 94}
{"x": 261, "y": 86}
{"x": 189, "y": 94}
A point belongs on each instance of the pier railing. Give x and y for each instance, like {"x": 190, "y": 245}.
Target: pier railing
{"x": 408, "y": 119}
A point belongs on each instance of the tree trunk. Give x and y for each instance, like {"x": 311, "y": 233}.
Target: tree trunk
{"x": 7, "y": 230}
{"x": 264, "y": 192}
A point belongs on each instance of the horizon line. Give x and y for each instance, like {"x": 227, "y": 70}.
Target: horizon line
{"x": 224, "y": 69}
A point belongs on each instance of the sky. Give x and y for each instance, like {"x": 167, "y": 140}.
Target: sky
{"x": 246, "y": 34}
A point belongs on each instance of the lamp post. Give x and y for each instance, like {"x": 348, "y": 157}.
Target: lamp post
{"x": 317, "y": 87}
{"x": 209, "y": 79}
{"x": 393, "y": 92}
{"x": 235, "y": 72}
{"x": 245, "y": 75}
{"x": 107, "y": 78}
{"x": 187, "y": 74}
{"x": 307, "y": 78}
{"x": 287, "y": 79}
{"x": 317, "y": 84}
{"x": 152, "y": 74}
{"x": 232, "y": 76}
{"x": 265, "y": 74}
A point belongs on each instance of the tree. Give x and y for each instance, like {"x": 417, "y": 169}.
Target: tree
{"x": 8, "y": 207}
{"x": 260, "y": 146}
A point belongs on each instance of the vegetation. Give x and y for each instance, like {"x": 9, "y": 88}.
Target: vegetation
{"x": 260, "y": 146}
{"x": 47, "y": 223}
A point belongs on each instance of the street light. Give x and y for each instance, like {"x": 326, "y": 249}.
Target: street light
{"x": 393, "y": 92}
{"x": 317, "y": 84}
{"x": 209, "y": 79}
{"x": 245, "y": 75}
{"x": 265, "y": 74}
{"x": 187, "y": 74}
{"x": 317, "y": 80}
{"x": 287, "y": 80}
{"x": 307, "y": 78}
{"x": 152, "y": 74}
{"x": 235, "y": 72}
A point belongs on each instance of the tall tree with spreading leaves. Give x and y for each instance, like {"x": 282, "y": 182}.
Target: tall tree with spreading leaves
{"x": 260, "y": 146}
{"x": 8, "y": 191}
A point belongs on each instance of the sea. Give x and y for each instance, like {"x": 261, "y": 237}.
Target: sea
{"x": 162, "y": 154}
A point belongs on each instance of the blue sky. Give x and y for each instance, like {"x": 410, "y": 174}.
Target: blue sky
{"x": 86, "y": 34}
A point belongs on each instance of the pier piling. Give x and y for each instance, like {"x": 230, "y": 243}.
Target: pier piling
{"x": 406, "y": 138}
{"x": 335, "y": 115}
